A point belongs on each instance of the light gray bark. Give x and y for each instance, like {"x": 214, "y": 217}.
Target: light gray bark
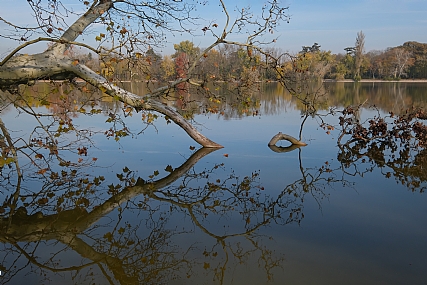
{"x": 289, "y": 138}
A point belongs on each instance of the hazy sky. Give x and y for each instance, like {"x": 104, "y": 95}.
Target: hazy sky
{"x": 335, "y": 23}
{"x": 331, "y": 23}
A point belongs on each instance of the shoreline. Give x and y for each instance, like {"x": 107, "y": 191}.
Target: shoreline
{"x": 377, "y": 80}
{"x": 79, "y": 80}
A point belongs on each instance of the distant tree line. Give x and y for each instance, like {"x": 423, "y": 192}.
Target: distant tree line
{"x": 406, "y": 61}
{"x": 234, "y": 63}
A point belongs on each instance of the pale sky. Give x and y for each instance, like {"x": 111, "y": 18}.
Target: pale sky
{"x": 331, "y": 23}
{"x": 334, "y": 23}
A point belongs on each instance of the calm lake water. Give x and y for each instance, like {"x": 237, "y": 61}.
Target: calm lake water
{"x": 154, "y": 208}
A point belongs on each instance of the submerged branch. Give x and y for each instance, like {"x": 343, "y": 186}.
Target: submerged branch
{"x": 289, "y": 138}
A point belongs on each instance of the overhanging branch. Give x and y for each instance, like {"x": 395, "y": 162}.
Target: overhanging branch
{"x": 139, "y": 102}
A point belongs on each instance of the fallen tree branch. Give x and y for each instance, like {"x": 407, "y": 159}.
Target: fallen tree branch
{"x": 286, "y": 137}
{"x": 138, "y": 102}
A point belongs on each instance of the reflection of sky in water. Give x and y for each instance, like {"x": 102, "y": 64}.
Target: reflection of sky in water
{"x": 371, "y": 233}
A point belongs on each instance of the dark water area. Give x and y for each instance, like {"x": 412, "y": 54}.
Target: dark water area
{"x": 154, "y": 208}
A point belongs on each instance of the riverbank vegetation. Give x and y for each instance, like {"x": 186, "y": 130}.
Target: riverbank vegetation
{"x": 237, "y": 63}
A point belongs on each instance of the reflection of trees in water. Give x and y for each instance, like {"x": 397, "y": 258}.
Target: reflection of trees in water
{"x": 58, "y": 218}
{"x": 274, "y": 99}
{"x": 395, "y": 144}
{"x": 124, "y": 228}
{"x": 386, "y": 96}
{"x": 101, "y": 227}
{"x": 230, "y": 100}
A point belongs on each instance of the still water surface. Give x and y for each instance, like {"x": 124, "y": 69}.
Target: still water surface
{"x": 153, "y": 209}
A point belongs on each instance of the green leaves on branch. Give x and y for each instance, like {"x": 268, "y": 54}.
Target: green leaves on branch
{"x": 100, "y": 37}
{"x": 5, "y": 161}
{"x": 149, "y": 118}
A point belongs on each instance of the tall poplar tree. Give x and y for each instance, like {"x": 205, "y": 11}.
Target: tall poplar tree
{"x": 359, "y": 51}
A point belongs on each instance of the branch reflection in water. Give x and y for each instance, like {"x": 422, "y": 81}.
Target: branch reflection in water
{"x": 395, "y": 144}
{"x": 144, "y": 252}
{"x": 58, "y": 220}
{"x": 61, "y": 220}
